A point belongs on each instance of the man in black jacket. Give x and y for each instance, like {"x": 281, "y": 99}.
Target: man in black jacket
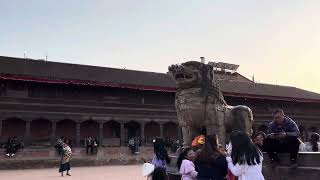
{"x": 89, "y": 145}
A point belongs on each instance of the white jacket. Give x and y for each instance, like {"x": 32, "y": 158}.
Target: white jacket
{"x": 246, "y": 172}
{"x": 307, "y": 147}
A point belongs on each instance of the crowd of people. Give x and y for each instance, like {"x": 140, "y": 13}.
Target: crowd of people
{"x": 242, "y": 157}
{"x": 206, "y": 158}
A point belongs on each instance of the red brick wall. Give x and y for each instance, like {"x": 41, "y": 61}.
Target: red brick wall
{"x": 40, "y": 129}
{"x": 13, "y": 127}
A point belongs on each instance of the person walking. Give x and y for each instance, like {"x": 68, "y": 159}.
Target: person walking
{"x": 245, "y": 160}
{"x": 65, "y": 158}
{"x": 211, "y": 163}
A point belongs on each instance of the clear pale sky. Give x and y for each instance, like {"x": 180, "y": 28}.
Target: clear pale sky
{"x": 276, "y": 41}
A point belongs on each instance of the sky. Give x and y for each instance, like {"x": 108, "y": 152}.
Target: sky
{"x": 277, "y": 42}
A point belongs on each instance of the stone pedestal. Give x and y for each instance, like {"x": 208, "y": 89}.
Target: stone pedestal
{"x": 53, "y": 133}
{"x": 78, "y": 134}
{"x": 27, "y": 136}
{"x": 122, "y": 136}
{"x": 142, "y": 133}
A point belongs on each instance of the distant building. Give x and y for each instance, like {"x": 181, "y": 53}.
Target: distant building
{"x": 41, "y": 100}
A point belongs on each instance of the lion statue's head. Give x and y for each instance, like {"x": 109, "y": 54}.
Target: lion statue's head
{"x": 191, "y": 74}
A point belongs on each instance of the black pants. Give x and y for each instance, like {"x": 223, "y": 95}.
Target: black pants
{"x": 91, "y": 149}
{"x": 11, "y": 150}
{"x": 289, "y": 144}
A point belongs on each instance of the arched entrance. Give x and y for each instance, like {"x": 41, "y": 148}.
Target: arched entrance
{"x": 40, "y": 130}
{"x": 152, "y": 130}
{"x": 13, "y": 127}
{"x": 132, "y": 129}
{"x": 89, "y": 128}
{"x": 67, "y": 128}
{"x": 170, "y": 130}
{"x": 111, "y": 134}
{"x": 111, "y": 129}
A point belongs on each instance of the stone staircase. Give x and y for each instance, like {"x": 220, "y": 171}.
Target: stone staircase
{"x": 47, "y": 157}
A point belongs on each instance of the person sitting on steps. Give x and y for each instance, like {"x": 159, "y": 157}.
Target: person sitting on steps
{"x": 282, "y": 137}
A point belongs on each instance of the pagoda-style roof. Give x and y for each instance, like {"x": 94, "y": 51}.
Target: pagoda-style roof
{"x": 64, "y": 73}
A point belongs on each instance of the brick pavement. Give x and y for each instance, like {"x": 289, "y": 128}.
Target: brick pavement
{"x": 129, "y": 172}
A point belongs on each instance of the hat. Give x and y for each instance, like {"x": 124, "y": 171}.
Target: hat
{"x": 147, "y": 169}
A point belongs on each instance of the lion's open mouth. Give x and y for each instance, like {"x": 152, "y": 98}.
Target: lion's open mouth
{"x": 182, "y": 77}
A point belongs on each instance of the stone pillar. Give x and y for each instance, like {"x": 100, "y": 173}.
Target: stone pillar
{"x": 0, "y": 128}
{"x": 122, "y": 138}
{"x": 101, "y": 132}
{"x": 161, "y": 130}
{"x": 142, "y": 133}
{"x": 142, "y": 99}
{"x": 53, "y": 132}
{"x": 28, "y": 133}
{"x": 78, "y": 134}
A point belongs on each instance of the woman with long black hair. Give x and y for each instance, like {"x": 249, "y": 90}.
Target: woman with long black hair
{"x": 161, "y": 158}
{"x": 246, "y": 159}
{"x": 211, "y": 163}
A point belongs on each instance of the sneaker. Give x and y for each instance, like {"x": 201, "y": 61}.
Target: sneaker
{"x": 13, "y": 155}
{"x": 8, "y": 154}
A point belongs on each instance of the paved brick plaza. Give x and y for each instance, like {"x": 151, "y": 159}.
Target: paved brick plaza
{"x": 78, "y": 173}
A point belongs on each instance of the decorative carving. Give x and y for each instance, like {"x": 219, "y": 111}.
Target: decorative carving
{"x": 200, "y": 104}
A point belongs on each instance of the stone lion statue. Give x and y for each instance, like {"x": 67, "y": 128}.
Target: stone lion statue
{"x": 201, "y": 105}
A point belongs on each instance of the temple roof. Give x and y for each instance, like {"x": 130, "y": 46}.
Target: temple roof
{"x": 54, "y": 72}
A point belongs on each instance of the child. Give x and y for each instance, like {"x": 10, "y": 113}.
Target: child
{"x": 186, "y": 166}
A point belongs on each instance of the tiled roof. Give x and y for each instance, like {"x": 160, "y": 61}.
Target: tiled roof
{"x": 64, "y": 71}
{"x": 53, "y": 72}
{"x": 267, "y": 91}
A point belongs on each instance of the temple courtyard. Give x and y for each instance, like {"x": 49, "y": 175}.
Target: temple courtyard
{"x": 128, "y": 172}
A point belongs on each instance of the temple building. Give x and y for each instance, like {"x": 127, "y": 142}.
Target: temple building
{"x": 42, "y": 100}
